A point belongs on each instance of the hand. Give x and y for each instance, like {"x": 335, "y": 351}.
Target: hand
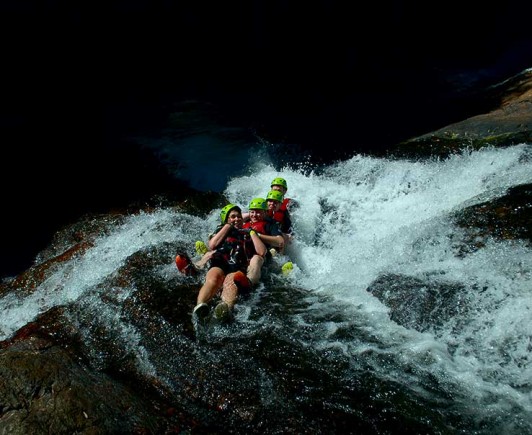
{"x": 233, "y": 231}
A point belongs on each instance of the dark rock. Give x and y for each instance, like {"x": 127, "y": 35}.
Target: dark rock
{"x": 508, "y": 124}
{"x": 45, "y": 389}
{"x": 417, "y": 304}
{"x": 508, "y": 218}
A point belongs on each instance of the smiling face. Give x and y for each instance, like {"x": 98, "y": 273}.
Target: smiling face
{"x": 235, "y": 218}
{"x": 273, "y": 206}
{"x": 256, "y": 215}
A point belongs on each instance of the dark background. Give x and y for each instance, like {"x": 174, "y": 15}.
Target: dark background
{"x": 333, "y": 77}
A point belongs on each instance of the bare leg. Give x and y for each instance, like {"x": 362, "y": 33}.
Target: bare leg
{"x": 213, "y": 281}
{"x": 230, "y": 290}
{"x": 203, "y": 260}
{"x": 233, "y": 283}
{"x": 254, "y": 269}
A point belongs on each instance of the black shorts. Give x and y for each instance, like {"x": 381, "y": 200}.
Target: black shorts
{"x": 220, "y": 261}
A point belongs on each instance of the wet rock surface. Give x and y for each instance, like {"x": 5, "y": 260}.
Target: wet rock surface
{"x": 509, "y": 123}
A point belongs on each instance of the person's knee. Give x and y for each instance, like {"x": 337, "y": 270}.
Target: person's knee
{"x": 257, "y": 260}
{"x": 229, "y": 288}
{"x": 215, "y": 280}
{"x": 228, "y": 280}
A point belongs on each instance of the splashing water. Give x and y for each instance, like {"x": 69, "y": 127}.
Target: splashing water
{"x": 357, "y": 221}
{"x": 367, "y": 217}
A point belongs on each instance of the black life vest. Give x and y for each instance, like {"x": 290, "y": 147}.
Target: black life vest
{"x": 237, "y": 248}
{"x": 282, "y": 217}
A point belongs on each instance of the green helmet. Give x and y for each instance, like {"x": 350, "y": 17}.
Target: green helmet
{"x": 258, "y": 204}
{"x": 279, "y": 182}
{"x": 224, "y": 214}
{"x": 275, "y": 195}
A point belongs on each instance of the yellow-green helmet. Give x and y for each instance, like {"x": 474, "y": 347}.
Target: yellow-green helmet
{"x": 279, "y": 182}
{"x": 258, "y": 204}
{"x": 224, "y": 214}
{"x": 275, "y": 195}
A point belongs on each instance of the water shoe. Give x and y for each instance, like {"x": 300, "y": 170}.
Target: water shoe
{"x": 287, "y": 267}
{"x": 184, "y": 265}
{"x": 222, "y": 312}
{"x": 201, "y": 248}
{"x": 201, "y": 311}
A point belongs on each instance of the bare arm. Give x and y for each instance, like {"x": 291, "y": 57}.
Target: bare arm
{"x": 260, "y": 247}
{"x": 275, "y": 241}
{"x": 219, "y": 237}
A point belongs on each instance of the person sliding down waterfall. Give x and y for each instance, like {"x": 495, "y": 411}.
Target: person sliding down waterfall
{"x": 281, "y": 185}
{"x": 268, "y": 229}
{"x": 274, "y": 199}
{"x": 187, "y": 267}
{"x": 264, "y": 229}
{"x": 234, "y": 264}
{"x": 279, "y": 212}
{"x": 286, "y": 205}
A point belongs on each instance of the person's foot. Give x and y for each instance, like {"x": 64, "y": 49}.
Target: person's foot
{"x": 222, "y": 312}
{"x": 287, "y": 267}
{"x": 201, "y": 248}
{"x": 201, "y": 311}
{"x": 184, "y": 265}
